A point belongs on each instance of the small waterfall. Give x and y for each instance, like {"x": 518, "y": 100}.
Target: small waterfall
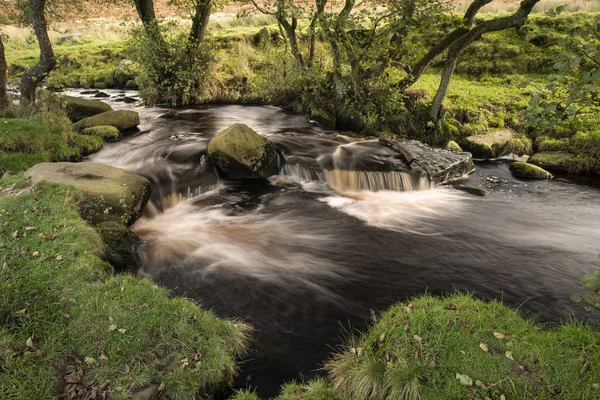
{"x": 173, "y": 199}
{"x": 344, "y": 181}
{"x": 301, "y": 174}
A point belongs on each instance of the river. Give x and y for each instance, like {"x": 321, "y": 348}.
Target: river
{"x": 303, "y": 263}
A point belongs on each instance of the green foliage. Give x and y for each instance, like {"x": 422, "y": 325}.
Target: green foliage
{"x": 172, "y": 70}
{"x": 459, "y": 347}
{"x": 66, "y": 319}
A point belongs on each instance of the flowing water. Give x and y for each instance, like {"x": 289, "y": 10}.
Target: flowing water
{"x": 316, "y": 248}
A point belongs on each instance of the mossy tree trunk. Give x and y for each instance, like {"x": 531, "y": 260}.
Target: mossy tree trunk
{"x": 200, "y": 19}
{"x": 319, "y": 10}
{"x": 497, "y": 24}
{"x": 3, "y": 78}
{"x": 34, "y": 76}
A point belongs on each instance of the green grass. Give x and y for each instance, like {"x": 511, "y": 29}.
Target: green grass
{"x": 25, "y": 142}
{"x": 63, "y": 312}
{"x": 316, "y": 389}
{"x": 459, "y": 347}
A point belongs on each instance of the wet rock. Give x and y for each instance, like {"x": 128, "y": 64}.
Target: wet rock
{"x": 241, "y": 153}
{"x": 121, "y": 119}
{"x": 440, "y": 165}
{"x": 101, "y": 95}
{"x": 489, "y": 145}
{"x": 554, "y": 160}
{"x": 89, "y": 92}
{"x": 149, "y": 393}
{"x": 324, "y": 118}
{"x": 477, "y": 191}
{"x": 109, "y": 193}
{"x": 107, "y": 132}
{"x": 120, "y": 246}
{"x": 129, "y": 100}
{"x": 453, "y": 146}
{"x": 78, "y": 109}
{"x": 126, "y": 71}
{"x": 529, "y": 171}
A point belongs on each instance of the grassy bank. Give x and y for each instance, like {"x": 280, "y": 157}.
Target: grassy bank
{"x": 68, "y": 325}
{"x": 42, "y": 137}
{"x": 455, "y": 348}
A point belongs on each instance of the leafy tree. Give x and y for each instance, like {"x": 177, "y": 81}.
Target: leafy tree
{"x": 574, "y": 90}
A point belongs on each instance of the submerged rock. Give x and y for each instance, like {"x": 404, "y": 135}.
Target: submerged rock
{"x": 109, "y": 193}
{"x": 529, "y": 171}
{"x": 78, "y": 109}
{"x": 121, "y": 119}
{"x": 440, "y": 165}
{"x": 554, "y": 160}
{"x": 488, "y": 145}
{"x": 474, "y": 190}
{"x": 241, "y": 153}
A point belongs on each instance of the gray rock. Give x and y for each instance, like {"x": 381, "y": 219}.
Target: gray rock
{"x": 241, "y": 153}
{"x": 477, "y": 191}
{"x": 121, "y": 119}
{"x": 101, "y": 95}
{"x": 109, "y": 193}
{"x": 78, "y": 108}
{"x": 440, "y": 165}
{"x": 488, "y": 145}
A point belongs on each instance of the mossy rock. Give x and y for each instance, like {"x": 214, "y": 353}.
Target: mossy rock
{"x": 529, "y": 171}
{"x": 131, "y": 84}
{"x": 109, "y": 193}
{"x": 241, "y": 153}
{"x": 120, "y": 246}
{"x": 126, "y": 71}
{"x": 121, "y": 119}
{"x": 78, "y": 109}
{"x": 453, "y": 146}
{"x": 324, "y": 118}
{"x": 554, "y": 160}
{"x": 263, "y": 36}
{"x": 488, "y": 145}
{"x": 107, "y": 132}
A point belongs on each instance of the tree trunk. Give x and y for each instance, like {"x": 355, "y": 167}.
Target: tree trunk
{"x": 3, "y": 80}
{"x": 200, "y": 21}
{"x": 34, "y": 76}
{"x": 313, "y": 29}
{"x": 290, "y": 32}
{"x": 498, "y": 24}
{"x": 145, "y": 10}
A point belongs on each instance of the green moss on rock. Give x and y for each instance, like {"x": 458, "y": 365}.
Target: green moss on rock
{"x": 121, "y": 119}
{"x": 554, "y": 160}
{"x": 241, "y": 153}
{"x": 78, "y": 109}
{"x": 120, "y": 246}
{"x": 109, "y": 193}
{"x": 529, "y": 171}
{"x": 453, "y": 146}
{"x": 106, "y": 132}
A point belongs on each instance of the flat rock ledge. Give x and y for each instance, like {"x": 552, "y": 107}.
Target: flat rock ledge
{"x": 109, "y": 193}
{"x": 440, "y": 165}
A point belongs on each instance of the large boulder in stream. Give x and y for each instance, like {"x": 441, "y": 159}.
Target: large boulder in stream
{"x": 121, "y": 119}
{"x": 529, "y": 171}
{"x": 109, "y": 193}
{"x": 241, "y": 153}
{"x": 78, "y": 108}
{"x": 440, "y": 165}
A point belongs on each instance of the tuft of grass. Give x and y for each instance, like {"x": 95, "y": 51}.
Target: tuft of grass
{"x": 458, "y": 347}
{"x": 67, "y": 324}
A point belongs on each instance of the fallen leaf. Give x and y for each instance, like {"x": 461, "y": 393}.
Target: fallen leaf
{"x": 431, "y": 364}
{"x": 112, "y": 327}
{"x": 126, "y": 369}
{"x": 509, "y": 355}
{"x": 499, "y": 335}
{"x": 418, "y": 338}
{"x": 59, "y": 258}
{"x": 35, "y": 254}
{"x": 29, "y": 342}
{"x": 122, "y": 330}
{"x": 502, "y": 397}
{"x": 90, "y": 361}
{"x": 465, "y": 380}
{"x": 484, "y": 347}
{"x": 481, "y": 385}
{"x": 74, "y": 377}
{"x": 382, "y": 337}
{"x": 161, "y": 387}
